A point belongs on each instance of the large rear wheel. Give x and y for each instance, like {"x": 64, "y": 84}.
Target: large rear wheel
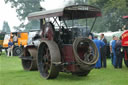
{"x": 85, "y": 53}
{"x": 48, "y": 55}
{"x": 126, "y": 62}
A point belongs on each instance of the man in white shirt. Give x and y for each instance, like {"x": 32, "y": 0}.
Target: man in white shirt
{"x": 15, "y": 39}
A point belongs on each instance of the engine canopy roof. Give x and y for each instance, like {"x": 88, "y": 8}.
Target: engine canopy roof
{"x": 68, "y": 12}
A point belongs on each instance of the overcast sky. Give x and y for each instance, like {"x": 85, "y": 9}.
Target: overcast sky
{"x": 53, "y": 4}
{"x": 9, "y": 14}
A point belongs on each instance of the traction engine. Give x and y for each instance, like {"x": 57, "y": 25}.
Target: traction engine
{"x": 63, "y": 44}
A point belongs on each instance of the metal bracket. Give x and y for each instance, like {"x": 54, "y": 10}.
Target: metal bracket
{"x": 26, "y": 57}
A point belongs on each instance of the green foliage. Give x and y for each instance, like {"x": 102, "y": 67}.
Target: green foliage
{"x": 127, "y": 3}
{"x": 6, "y": 27}
{"x": 112, "y": 12}
{"x": 35, "y": 24}
{"x": 23, "y": 8}
{"x": 12, "y": 73}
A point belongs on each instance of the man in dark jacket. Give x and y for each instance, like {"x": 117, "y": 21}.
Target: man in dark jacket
{"x": 119, "y": 53}
{"x": 103, "y": 51}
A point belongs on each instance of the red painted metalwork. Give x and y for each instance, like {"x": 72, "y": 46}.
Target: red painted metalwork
{"x": 125, "y": 42}
{"x": 125, "y": 38}
{"x": 48, "y": 32}
{"x": 81, "y": 51}
{"x": 125, "y": 17}
{"x": 126, "y": 57}
{"x": 69, "y": 57}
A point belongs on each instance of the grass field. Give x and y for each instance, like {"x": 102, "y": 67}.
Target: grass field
{"x": 12, "y": 73}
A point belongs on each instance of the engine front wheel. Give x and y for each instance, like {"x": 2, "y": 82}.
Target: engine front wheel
{"x": 48, "y": 53}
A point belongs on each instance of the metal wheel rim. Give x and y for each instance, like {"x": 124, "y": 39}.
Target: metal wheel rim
{"x": 46, "y": 61}
{"x": 49, "y": 71}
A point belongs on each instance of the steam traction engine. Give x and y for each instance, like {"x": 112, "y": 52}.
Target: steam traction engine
{"x": 63, "y": 44}
{"x": 125, "y": 43}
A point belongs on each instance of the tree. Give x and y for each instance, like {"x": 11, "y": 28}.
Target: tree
{"x": 23, "y": 8}
{"x": 127, "y": 3}
{"x": 112, "y": 12}
{"x": 6, "y": 27}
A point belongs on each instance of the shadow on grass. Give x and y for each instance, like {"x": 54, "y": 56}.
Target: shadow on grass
{"x": 69, "y": 76}
{"x": 19, "y": 72}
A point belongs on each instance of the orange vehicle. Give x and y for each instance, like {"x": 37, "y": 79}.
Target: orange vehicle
{"x": 2, "y": 34}
{"x": 125, "y": 41}
{"x": 21, "y": 42}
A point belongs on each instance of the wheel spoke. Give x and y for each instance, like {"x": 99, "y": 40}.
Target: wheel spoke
{"x": 46, "y": 60}
{"x": 46, "y": 68}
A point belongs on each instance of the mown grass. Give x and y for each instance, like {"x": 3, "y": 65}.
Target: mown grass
{"x": 12, "y": 73}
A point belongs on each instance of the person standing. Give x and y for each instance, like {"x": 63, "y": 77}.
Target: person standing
{"x": 103, "y": 51}
{"x": 15, "y": 39}
{"x": 91, "y": 36}
{"x": 113, "y": 50}
{"x": 110, "y": 45}
{"x": 10, "y": 48}
{"x": 99, "y": 44}
{"x": 119, "y": 53}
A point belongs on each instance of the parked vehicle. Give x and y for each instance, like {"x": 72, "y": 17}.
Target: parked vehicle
{"x": 125, "y": 42}
{"x": 2, "y": 34}
{"x": 18, "y": 46}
